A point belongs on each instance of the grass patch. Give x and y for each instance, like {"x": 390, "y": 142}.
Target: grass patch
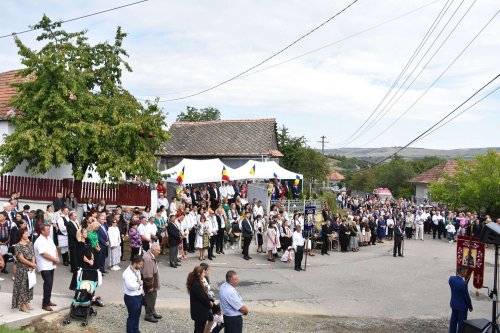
{"x": 5, "y": 329}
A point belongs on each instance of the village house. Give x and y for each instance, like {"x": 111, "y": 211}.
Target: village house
{"x": 435, "y": 174}
{"x": 233, "y": 141}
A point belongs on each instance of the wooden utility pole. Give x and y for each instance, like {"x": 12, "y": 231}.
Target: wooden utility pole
{"x": 323, "y": 144}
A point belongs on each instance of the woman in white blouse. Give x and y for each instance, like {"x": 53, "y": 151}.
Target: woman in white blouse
{"x": 114, "y": 246}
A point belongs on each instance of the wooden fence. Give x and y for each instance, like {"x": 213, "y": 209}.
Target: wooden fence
{"x": 45, "y": 190}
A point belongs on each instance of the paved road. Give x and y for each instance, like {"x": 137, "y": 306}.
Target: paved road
{"x": 368, "y": 283}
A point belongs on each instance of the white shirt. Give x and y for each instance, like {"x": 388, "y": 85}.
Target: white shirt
{"x": 45, "y": 245}
{"x": 143, "y": 230}
{"x": 223, "y": 192}
{"x": 297, "y": 240}
{"x": 61, "y": 225}
{"x": 450, "y": 228}
{"x": 173, "y": 208}
{"x": 258, "y": 211}
{"x": 132, "y": 283}
{"x": 151, "y": 228}
{"x": 163, "y": 202}
{"x": 212, "y": 223}
{"x": 114, "y": 236}
{"x": 230, "y": 191}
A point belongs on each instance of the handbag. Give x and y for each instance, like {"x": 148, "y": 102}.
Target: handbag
{"x": 31, "y": 279}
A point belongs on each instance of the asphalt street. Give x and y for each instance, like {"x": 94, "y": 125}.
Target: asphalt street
{"x": 370, "y": 283}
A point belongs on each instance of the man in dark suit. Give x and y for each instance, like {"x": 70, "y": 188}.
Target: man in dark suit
{"x": 398, "y": 238}
{"x": 72, "y": 227}
{"x": 58, "y": 202}
{"x": 247, "y": 233}
{"x": 325, "y": 231}
{"x": 214, "y": 196}
{"x": 460, "y": 300}
{"x": 103, "y": 237}
{"x": 174, "y": 237}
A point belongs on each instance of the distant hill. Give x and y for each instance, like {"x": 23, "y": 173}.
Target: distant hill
{"x": 377, "y": 154}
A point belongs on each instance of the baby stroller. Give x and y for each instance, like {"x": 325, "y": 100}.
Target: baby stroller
{"x": 82, "y": 305}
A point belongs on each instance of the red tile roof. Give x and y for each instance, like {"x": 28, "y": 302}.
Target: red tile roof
{"x": 6, "y": 91}
{"x": 435, "y": 174}
{"x": 335, "y": 176}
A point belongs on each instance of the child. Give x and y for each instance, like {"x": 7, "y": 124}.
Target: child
{"x": 218, "y": 324}
{"x": 450, "y": 228}
{"x": 288, "y": 255}
{"x": 259, "y": 227}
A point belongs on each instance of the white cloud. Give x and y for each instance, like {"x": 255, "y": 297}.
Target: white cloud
{"x": 181, "y": 47}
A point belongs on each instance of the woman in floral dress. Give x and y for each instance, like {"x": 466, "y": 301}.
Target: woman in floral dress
{"x": 21, "y": 293}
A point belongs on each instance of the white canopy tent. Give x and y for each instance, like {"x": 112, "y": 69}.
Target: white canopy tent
{"x": 263, "y": 170}
{"x": 198, "y": 171}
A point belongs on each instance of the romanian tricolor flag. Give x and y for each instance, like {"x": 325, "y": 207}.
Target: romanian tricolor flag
{"x": 252, "y": 170}
{"x": 275, "y": 175}
{"x": 225, "y": 176}
{"x": 180, "y": 177}
{"x": 296, "y": 181}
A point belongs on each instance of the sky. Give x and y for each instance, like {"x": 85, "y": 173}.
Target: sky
{"x": 177, "y": 48}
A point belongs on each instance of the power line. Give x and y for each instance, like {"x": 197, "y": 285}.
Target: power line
{"x": 421, "y": 135}
{"x": 434, "y": 82}
{"x": 78, "y": 18}
{"x": 408, "y": 63}
{"x": 373, "y": 27}
{"x": 461, "y": 112}
{"x": 263, "y": 61}
{"x": 389, "y": 106}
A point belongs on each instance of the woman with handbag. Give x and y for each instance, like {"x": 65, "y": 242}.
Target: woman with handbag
{"x": 202, "y": 241}
{"x": 199, "y": 302}
{"x": 21, "y": 293}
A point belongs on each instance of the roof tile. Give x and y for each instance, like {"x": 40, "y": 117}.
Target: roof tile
{"x": 6, "y": 91}
{"x": 251, "y": 137}
{"x": 435, "y": 174}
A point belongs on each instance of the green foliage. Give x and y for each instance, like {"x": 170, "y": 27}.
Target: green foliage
{"x": 331, "y": 200}
{"x": 197, "y": 115}
{"x": 394, "y": 175}
{"x": 6, "y": 329}
{"x": 474, "y": 186}
{"x": 72, "y": 109}
{"x": 301, "y": 159}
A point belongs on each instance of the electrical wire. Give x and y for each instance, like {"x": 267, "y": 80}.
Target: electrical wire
{"x": 461, "y": 112}
{"x": 322, "y": 47}
{"x": 429, "y": 31}
{"x": 435, "y": 81}
{"x": 421, "y": 135}
{"x": 77, "y": 18}
{"x": 383, "y": 112}
{"x": 263, "y": 61}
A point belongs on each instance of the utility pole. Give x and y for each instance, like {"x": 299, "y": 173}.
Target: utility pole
{"x": 323, "y": 144}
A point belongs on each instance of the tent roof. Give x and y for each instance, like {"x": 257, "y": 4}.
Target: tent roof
{"x": 263, "y": 170}
{"x": 198, "y": 171}
{"x": 210, "y": 170}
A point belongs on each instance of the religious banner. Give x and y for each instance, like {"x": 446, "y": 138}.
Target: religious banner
{"x": 471, "y": 254}
{"x": 309, "y": 218}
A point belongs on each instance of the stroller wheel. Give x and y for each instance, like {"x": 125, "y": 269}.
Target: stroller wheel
{"x": 66, "y": 321}
{"x": 83, "y": 324}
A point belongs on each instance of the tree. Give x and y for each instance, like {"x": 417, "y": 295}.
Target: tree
{"x": 474, "y": 186}
{"x": 363, "y": 181}
{"x": 72, "y": 109}
{"x": 301, "y": 159}
{"x": 395, "y": 175}
{"x": 194, "y": 115}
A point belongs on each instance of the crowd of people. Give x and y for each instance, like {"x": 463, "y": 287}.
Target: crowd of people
{"x": 203, "y": 221}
